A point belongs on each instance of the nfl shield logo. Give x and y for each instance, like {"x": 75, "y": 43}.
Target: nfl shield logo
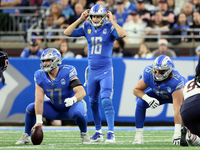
{"x": 104, "y": 31}
{"x": 89, "y": 31}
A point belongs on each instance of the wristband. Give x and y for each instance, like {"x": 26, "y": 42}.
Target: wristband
{"x": 39, "y": 118}
{"x": 146, "y": 98}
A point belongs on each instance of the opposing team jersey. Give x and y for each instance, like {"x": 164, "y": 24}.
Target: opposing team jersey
{"x": 164, "y": 90}
{"x": 59, "y": 89}
{"x": 190, "y": 89}
{"x": 100, "y": 43}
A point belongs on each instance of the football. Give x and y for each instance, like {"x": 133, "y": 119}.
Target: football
{"x": 37, "y": 135}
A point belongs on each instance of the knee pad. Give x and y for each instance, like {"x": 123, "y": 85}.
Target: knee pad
{"x": 31, "y": 108}
{"x": 108, "y": 106}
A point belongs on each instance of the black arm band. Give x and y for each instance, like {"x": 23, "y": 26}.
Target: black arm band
{"x": 75, "y": 83}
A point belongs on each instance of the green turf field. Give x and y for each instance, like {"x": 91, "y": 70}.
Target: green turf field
{"x": 66, "y": 139}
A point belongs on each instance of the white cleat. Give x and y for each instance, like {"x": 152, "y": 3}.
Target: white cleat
{"x": 110, "y": 138}
{"x": 25, "y": 139}
{"x": 138, "y": 139}
{"x": 85, "y": 138}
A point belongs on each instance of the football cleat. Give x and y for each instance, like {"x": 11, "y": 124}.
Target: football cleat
{"x": 138, "y": 139}
{"x": 110, "y": 138}
{"x": 183, "y": 141}
{"x": 25, "y": 139}
{"x": 85, "y": 138}
{"x": 97, "y": 137}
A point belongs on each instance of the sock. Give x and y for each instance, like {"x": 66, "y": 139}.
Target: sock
{"x": 139, "y": 130}
{"x": 29, "y": 118}
{"x": 99, "y": 131}
{"x": 109, "y": 112}
{"x": 140, "y": 114}
{"x": 96, "y": 115}
{"x": 194, "y": 140}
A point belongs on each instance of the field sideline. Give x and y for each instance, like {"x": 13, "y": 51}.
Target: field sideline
{"x": 155, "y": 138}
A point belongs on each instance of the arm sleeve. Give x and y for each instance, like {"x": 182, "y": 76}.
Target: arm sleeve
{"x": 78, "y": 32}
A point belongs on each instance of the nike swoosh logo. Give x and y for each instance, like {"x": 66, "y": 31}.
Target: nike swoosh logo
{"x": 105, "y": 72}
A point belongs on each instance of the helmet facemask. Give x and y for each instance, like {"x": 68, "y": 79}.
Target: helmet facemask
{"x": 163, "y": 65}
{"x": 98, "y": 10}
{"x": 53, "y": 55}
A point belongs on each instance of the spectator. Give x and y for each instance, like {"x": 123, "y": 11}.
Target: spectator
{"x": 143, "y": 12}
{"x": 135, "y": 29}
{"x": 47, "y": 25}
{"x": 196, "y": 25}
{"x": 11, "y": 3}
{"x": 198, "y": 51}
{"x": 129, "y": 6}
{"x": 167, "y": 14}
{"x": 188, "y": 10}
{"x": 182, "y": 25}
{"x": 83, "y": 54}
{"x": 64, "y": 50}
{"x": 118, "y": 49}
{"x": 158, "y": 23}
{"x": 121, "y": 13}
{"x": 56, "y": 12}
{"x": 67, "y": 11}
{"x": 152, "y": 6}
{"x": 101, "y": 2}
{"x": 78, "y": 9}
{"x": 143, "y": 52}
{"x": 33, "y": 51}
{"x": 163, "y": 49}
{"x": 172, "y": 7}
{"x": 48, "y": 3}
{"x": 110, "y": 5}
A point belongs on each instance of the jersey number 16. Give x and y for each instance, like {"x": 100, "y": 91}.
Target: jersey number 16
{"x": 96, "y": 45}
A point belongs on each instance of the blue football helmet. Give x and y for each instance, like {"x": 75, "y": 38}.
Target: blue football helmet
{"x": 164, "y": 64}
{"x": 50, "y": 54}
{"x": 98, "y": 10}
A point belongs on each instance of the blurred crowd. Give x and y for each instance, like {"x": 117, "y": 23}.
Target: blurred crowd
{"x": 138, "y": 17}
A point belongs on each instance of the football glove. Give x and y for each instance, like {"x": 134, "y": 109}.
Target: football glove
{"x": 176, "y": 139}
{"x": 153, "y": 102}
{"x": 70, "y": 101}
{"x": 197, "y": 80}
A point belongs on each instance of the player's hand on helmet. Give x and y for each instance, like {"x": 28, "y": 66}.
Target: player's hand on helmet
{"x": 70, "y": 101}
{"x": 176, "y": 139}
{"x": 109, "y": 16}
{"x": 85, "y": 14}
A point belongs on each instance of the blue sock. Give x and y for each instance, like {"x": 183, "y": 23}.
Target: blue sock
{"x": 140, "y": 114}
{"x": 81, "y": 121}
{"x": 29, "y": 118}
{"x": 96, "y": 115}
{"x": 109, "y": 112}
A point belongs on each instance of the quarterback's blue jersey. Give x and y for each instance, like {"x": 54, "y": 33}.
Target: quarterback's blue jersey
{"x": 164, "y": 90}
{"x": 100, "y": 43}
{"x": 59, "y": 89}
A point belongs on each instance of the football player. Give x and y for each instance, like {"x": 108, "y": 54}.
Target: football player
{"x": 190, "y": 111}
{"x": 165, "y": 86}
{"x": 62, "y": 86}
{"x": 100, "y": 38}
{"x": 3, "y": 65}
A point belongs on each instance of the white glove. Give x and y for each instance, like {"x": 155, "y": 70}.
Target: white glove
{"x": 70, "y": 101}
{"x": 153, "y": 102}
{"x": 176, "y": 139}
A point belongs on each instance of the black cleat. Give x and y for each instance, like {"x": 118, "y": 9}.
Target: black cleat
{"x": 183, "y": 141}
